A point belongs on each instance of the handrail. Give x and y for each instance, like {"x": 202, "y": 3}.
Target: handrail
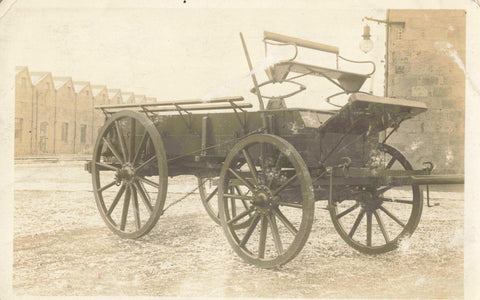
{"x": 361, "y": 62}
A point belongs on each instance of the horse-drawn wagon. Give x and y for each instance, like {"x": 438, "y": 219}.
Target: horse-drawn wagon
{"x": 261, "y": 172}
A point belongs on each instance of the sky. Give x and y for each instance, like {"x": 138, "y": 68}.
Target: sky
{"x": 174, "y": 53}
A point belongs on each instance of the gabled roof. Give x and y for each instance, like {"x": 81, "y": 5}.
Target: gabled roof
{"x": 19, "y": 69}
{"x": 97, "y": 89}
{"x": 80, "y": 85}
{"x": 38, "y": 76}
{"x": 61, "y": 81}
{"x": 113, "y": 92}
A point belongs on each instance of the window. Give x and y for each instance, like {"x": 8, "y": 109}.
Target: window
{"x": 83, "y": 133}
{"x": 64, "y": 132}
{"x": 18, "y": 128}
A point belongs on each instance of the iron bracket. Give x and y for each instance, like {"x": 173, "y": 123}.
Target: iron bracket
{"x": 237, "y": 114}
{"x": 188, "y": 122}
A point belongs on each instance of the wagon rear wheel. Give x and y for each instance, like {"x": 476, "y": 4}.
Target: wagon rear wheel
{"x": 384, "y": 216}
{"x": 272, "y": 176}
{"x": 208, "y": 189}
{"x": 129, "y": 174}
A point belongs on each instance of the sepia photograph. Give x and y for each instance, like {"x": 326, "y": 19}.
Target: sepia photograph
{"x": 198, "y": 149}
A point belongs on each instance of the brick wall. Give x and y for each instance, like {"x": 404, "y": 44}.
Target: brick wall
{"x": 422, "y": 65}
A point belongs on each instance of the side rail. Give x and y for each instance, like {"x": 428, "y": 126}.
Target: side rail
{"x": 180, "y": 105}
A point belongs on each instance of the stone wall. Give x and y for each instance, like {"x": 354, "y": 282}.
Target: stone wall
{"x": 425, "y": 62}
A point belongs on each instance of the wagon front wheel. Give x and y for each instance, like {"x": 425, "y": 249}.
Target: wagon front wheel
{"x": 381, "y": 216}
{"x": 273, "y": 178}
{"x": 129, "y": 174}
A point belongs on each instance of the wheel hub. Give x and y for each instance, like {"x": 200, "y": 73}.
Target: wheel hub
{"x": 370, "y": 201}
{"x": 262, "y": 199}
{"x": 126, "y": 173}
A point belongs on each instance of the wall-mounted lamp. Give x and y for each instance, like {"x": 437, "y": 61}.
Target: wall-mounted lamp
{"x": 366, "y": 44}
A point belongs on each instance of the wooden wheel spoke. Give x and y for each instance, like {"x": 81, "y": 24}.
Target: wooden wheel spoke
{"x": 146, "y": 162}
{"x": 136, "y": 211}
{"x": 383, "y": 189}
{"x": 388, "y": 213}
{"x": 263, "y": 237}
{"x": 357, "y": 222}
{"x": 116, "y": 199}
{"x": 285, "y": 221}
{"x": 126, "y": 204}
{"x": 107, "y": 186}
{"x": 148, "y": 181}
{"x": 250, "y": 230}
{"x": 369, "y": 228}
{"x": 233, "y": 207}
{"x": 131, "y": 149}
{"x": 210, "y": 196}
{"x": 244, "y": 203}
{"x": 347, "y": 211}
{"x": 251, "y": 166}
{"x": 275, "y": 234}
{"x": 240, "y": 216}
{"x": 284, "y": 185}
{"x": 144, "y": 195}
{"x": 239, "y": 191}
{"x": 243, "y": 180}
{"x": 390, "y": 163}
{"x": 382, "y": 227}
{"x": 139, "y": 148}
{"x": 107, "y": 166}
{"x": 121, "y": 141}
{"x": 279, "y": 160}
{"x": 112, "y": 148}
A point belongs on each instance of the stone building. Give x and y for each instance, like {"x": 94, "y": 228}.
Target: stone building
{"x": 24, "y": 95}
{"x": 56, "y": 115}
{"x": 64, "y": 115}
{"x": 425, "y": 60}
{"x": 84, "y": 138}
{"x": 43, "y": 108}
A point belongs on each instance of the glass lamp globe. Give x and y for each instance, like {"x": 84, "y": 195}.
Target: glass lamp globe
{"x": 366, "y": 45}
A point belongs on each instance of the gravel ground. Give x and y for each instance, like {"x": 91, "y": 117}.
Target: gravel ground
{"x": 62, "y": 247}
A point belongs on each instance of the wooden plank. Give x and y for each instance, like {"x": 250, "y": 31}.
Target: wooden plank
{"x": 176, "y": 102}
{"x": 299, "y": 42}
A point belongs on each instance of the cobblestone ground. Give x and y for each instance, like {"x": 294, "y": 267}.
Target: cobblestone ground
{"x": 62, "y": 247}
